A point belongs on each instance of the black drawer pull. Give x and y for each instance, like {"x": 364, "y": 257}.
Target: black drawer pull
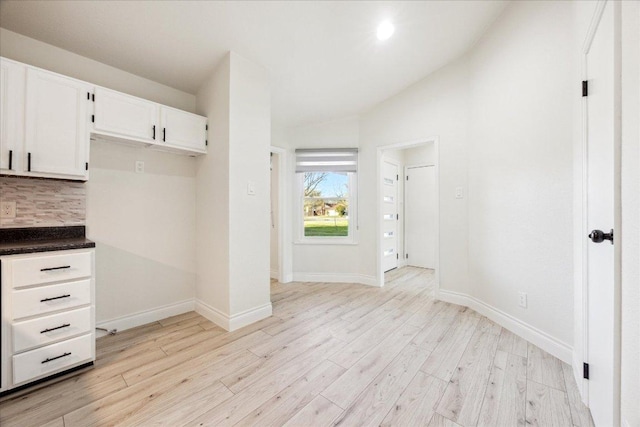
{"x": 47, "y": 360}
{"x": 57, "y": 327}
{"x": 51, "y": 299}
{"x": 55, "y": 268}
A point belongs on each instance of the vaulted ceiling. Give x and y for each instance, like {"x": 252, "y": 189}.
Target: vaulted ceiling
{"x": 323, "y": 57}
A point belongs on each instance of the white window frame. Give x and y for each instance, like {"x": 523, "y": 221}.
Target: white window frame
{"x": 350, "y": 239}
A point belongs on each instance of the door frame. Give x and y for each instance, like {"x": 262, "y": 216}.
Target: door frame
{"x": 379, "y": 159}
{"x": 404, "y": 206}
{"x": 581, "y": 300}
{"x": 284, "y": 248}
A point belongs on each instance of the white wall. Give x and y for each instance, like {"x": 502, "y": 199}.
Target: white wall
{"x": 630, "y": 322}
{"x": 250, "y": 141}
{"x": 143, "y": 224}
{"x": 212, "y": 193}
{"x": 232, "y": 285}
{"x": 520, "y": 166}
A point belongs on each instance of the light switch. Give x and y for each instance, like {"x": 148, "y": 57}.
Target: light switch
{"x": 251, "y": 188}
{"x": 459, "y": 193}
{"x": 139, "y": 166}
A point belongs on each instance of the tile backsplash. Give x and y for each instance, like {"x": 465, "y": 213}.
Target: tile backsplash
{"x": 43, "y": 202}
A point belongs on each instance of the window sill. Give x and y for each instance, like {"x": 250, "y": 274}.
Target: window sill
{"x": 320, "y": 241}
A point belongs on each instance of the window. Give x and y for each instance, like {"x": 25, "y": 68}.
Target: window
{"x": 327, "y": 195}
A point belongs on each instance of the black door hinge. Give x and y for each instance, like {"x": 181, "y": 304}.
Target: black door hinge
{"x": 397, "y": 217}
{"x": 407, "y": 177}
{"x": 86, "y": 166}
{"x": 585, "y": 371}
{"x": 93, "y": 97}
{"x": 397, "y": 256}
{"x": 406, "y": 256}
{"x": 88, "y": 96}
{"x": 93, "y": 118}
{"x": 585, "y": 88}
{"x": 206, "y": 127}
{"x": 206, "y": 143}
{"x": 397, "y": 177}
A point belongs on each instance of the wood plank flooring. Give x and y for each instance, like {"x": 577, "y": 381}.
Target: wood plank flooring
{"x": 331, "y": 354}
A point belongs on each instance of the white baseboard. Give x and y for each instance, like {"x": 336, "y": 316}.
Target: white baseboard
{"x": 362, "y": 279}
{"x": 237, "y": 321}
{"x": 147, "y": 316}
{"x": 543, "y": 340}
{"x": 274, "y": 274}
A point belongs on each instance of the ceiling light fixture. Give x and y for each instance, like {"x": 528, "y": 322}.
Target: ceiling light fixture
{"x": 385, "y": 30}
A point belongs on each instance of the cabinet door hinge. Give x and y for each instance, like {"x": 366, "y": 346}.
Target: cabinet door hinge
{"x": 93, "y": 97}
{"x": 407, "y": 177}
{"x": 88, "y": 96}
{"x": 585, "y": 371}
{"x": 86, "y": 166}
{"x": 397, "y": 256}
{"x": 406, "y": 256}
{"x": 585, "y": 88}
{"x": 397, "y": 178}
{"x": 397, "y": 217}
{"x": 206, "y": 142}
{"x": 206, "y": 127}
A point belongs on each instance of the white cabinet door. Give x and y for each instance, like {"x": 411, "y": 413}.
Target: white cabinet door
{"x": 57, "y": 130}
{"x": 12, "y": 92}
{"x": 183, "y": 130}
{"x": 120, "y": 115}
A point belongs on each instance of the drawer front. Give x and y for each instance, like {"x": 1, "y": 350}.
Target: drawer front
{"x": 41, "y": 269}
{"x": 52, "y": 358}
{"x": 45, "y": 299}
{"x": 47, "y": 329}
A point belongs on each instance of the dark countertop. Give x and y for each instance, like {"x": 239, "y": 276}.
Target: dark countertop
{"x": 14, "y": 241}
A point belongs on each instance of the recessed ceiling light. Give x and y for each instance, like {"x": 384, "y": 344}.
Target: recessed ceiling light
{"x": 385, "y": 30}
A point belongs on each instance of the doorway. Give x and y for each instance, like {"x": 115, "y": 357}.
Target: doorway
{"x": 420, "y": 216}
{"x": 280, "y": 252}
{"x": 408, "y": 231}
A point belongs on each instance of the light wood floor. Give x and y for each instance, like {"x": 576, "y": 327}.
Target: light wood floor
{"x": 332, "y": 354}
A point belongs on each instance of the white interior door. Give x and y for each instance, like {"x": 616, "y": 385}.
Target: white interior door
{"x": 600, "y": 134}
{"x": 420, "y": 216}
{"x": 389, "y": 216}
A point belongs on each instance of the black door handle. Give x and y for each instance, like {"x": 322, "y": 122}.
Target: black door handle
{"x": 164, "y": 134}
{"x": 154, "y": 132}
{"x": 10, "y": 160}
{"x": 599, "y": 236}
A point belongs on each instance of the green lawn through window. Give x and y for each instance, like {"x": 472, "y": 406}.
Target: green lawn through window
{"x": 326, "y": 227}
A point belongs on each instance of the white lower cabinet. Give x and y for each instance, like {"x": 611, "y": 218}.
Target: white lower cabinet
{"x": 49, "y": 359}
{"x": 48, "y": 322}
{"x": 45, "y": 330}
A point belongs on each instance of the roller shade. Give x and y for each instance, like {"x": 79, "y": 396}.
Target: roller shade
{"x": 327, "y": 160}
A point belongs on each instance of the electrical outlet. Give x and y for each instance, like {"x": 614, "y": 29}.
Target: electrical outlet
{"x": 459, "y": 193}
{"x": 522, "y": 299}
{"x": 139, "y": 166}
{"x": 8, "y": 210}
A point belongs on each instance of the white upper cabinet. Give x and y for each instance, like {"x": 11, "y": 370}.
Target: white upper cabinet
{"x": 125, "y": 117}
{"x": 57, "y": 126}
{"x": 12, "y": 92}
{"x": 182, "y": 130}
